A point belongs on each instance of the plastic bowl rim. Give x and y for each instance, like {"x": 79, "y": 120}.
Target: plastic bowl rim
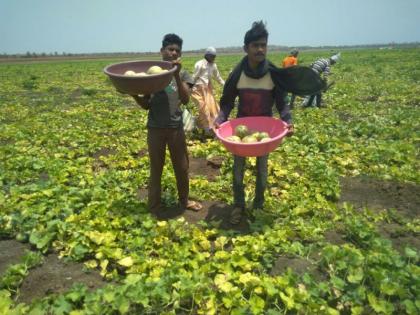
{"x": 281, "y": 135}
{"x": 105, "y": 70}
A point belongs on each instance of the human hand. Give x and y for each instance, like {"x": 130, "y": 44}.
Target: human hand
{"x": 178, "y": 64}
{"x": 145, "y": 97}
{"x": 142, "y": 100}
{"x": 290, "y": 130}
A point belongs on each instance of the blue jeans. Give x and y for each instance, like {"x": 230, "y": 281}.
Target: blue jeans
{"x": 238, "y": 181}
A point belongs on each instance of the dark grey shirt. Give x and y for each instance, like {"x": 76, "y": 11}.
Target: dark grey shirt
{"x": 165, "y": 111}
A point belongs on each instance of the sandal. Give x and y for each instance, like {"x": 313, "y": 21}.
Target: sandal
{"x": 236, "y": 216}
{"x": 194, "y": 205}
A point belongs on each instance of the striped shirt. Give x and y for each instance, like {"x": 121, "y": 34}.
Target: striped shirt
{"x": 256, "y": 98}
{"x": 322, "y": 66}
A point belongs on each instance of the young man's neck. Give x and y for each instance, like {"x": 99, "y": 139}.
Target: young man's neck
{"x": 253, "y": 64}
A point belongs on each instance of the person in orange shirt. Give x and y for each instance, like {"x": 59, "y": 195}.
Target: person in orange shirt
{"x": 290, "y": 61}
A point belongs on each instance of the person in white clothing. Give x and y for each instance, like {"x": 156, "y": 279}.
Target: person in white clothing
{"x": 202, "y": 94}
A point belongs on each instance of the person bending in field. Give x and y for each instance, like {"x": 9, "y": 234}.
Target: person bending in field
{"x": 164, "y": 128}
{"x": 290, "y": 61}
{"x": 321, "y": 66}
{"x": 202, "y": 93}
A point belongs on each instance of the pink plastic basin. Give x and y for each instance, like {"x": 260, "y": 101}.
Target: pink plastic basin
{"x": 276, "y": 128}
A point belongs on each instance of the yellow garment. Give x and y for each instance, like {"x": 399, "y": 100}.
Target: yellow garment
{"x": 208, "y": 108}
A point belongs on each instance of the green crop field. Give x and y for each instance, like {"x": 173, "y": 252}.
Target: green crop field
{"x": 339, "y": 233}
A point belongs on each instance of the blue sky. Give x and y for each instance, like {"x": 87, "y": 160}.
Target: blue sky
{"x": 85, "y": 26}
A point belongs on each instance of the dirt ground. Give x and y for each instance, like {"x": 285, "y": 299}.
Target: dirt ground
{"x": 376, "y": 195}
{"x": 402, "y": 198}
{"x": 379, "y": 195}
{"x": 55, "y": 275}
{"x": 206, "y": 167}
{"x": 11, "y": 252}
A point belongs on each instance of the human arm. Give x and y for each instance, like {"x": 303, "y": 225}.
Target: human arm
{"x": 227, "y": 101}
{"x": 142, "y": 100}
{"x": 327, "y": 71}
{"x": 197, "y": 70}
{"x": 217, "y": 75}
{"x": 283, "y": 108}
{"x": 184, "y": 90}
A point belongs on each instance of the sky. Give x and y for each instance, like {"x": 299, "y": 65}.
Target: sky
{"x": 94, "y": 26}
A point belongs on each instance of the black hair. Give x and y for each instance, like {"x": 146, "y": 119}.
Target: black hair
{"x": 170, "y": 39}
{"x": 294, "y": 52}
{"x": 256, "y": 32}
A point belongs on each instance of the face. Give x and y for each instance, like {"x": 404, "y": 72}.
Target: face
{"x": 256, "y": 50}
{"x": 210, "y": 58}
{"x": 171, "y": 52}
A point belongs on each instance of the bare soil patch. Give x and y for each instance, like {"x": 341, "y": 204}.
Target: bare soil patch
{"x": 11, "y": 253}
{"x": 334, "y": 237}
{"x": 216, "y": 213}
{"x": 298, "y": 265}
{"x": 98, "y": 163}
{"x": 377, "y": 195}
{"x": 205, "y": 167}
{"x": 52, "y": 276}
{"x": 75, "y": 94}
{"x": 56, "y": 276}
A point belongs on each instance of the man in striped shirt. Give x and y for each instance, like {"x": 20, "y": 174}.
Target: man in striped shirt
{"x": 252, "y": 82}
{"x": 323, "y": 67}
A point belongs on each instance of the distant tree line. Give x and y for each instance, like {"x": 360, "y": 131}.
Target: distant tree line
{"x": 32, "y": 55}
{"x": 221, "y": 50}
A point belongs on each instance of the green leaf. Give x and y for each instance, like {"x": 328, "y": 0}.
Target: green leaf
{"x": 410, "y": 253}
{"x": 126, "y": 261}
{"x": 288, "y": 302}
{"x": 338, "y": 282}
{"x": 122, "y": 304}
{"x": 389, "y": 288}
{"x": 227, "y": 301}
{"x": 355, "y": 275}
{"x": 61, "y": 306}
{"x": 410, "y": 307}
{"x": 222, "y": 283}
{"x": 109, "y": 296}
{"x": 380, "y": 305}
{"x": 257, "y": 304}
{"x": 356, "y": 310}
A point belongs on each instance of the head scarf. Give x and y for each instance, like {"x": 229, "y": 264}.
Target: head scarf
{"x": 336, "y": 57}
{"x": 210, "y": 51}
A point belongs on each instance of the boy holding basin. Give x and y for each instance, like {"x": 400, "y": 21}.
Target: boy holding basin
{"x": 252, "y": 82}
{"x": 259, "y": 84}
{"x": 165, "y": 128}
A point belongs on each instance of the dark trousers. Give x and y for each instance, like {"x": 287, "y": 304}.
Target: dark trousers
{"x": 318, "y": 100}
{"x": 157, "y": 140}
{"x": 238, "y": 181}
{"x": 292, "y": 101}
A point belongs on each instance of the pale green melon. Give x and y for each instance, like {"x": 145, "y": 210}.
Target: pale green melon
{"x": 154, "y": 70}
{"x": 241, "y": 131}
{"x": 234, "y": 139}
{"x": 249, "y": 139}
